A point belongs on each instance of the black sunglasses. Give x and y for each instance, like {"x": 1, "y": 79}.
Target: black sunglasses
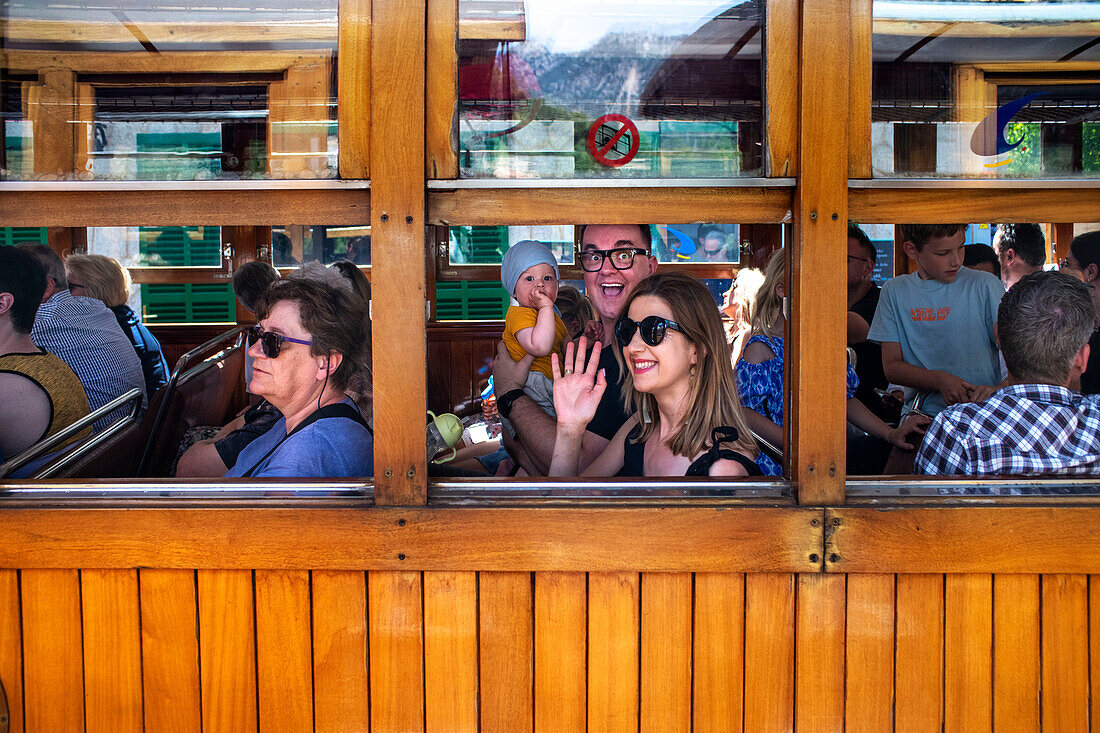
{"x": 652, "y": 329}
{"x": 271, "y": 342}
{"x": 622, "y": 258}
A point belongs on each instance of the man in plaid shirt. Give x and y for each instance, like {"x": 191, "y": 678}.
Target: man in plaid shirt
{"x": 1037, "y": 422}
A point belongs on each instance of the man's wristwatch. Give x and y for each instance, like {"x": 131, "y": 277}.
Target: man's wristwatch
{"x": 505, "y": 401}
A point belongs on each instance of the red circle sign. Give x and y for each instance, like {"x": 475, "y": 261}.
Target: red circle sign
{"x": 607, "y": 151}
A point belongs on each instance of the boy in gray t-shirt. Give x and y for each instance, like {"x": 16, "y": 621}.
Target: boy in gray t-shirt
{"x": 936, "y": 324}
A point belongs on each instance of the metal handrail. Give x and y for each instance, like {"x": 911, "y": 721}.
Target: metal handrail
{"x": 170, "y": 388}
{"x": 46, "y": 445}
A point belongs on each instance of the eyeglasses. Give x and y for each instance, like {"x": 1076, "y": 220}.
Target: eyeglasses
{"x": 622, "y": 258}
{"x": 271, "y": 342}
{"x": 858, "y": 259}
{"x": 73, "y": 286}
{"x": 652, "y": 329}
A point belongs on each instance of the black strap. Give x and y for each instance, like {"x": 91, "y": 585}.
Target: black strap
{"x": 722, "y": 434}
{"x": 338, "y": 409}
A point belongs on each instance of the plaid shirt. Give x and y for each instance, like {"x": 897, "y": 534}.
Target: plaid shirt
{"x": 87, "y": 337}
{"x": 1021, "y": 429}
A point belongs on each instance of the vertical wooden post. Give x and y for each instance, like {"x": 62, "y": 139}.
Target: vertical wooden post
{"x": 353, "y": 87}
{"x": 859, "y": 91}
{"x": 817, "y": 327}
{"x": 50, "y": 106}
{"x": 781, "y": 87}
{"x": 442, "y": 160}
{"x": 397, "y": 229}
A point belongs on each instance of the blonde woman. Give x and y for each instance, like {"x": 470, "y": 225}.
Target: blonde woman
{"x": 103, "y": 278}
{"x": 738, "y": 307}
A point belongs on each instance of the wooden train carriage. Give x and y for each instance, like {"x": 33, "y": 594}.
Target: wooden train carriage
{"x": 816, "y": 602}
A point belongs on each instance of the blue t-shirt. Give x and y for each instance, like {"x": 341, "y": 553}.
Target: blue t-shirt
{"x": 330, "y": 447}
{"x": 943, "y": 326}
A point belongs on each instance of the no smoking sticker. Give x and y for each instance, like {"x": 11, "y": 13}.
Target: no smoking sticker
{"x": 613, "y": 140}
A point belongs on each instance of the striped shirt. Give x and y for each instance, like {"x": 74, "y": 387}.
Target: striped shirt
{"x": 87, "y": 337}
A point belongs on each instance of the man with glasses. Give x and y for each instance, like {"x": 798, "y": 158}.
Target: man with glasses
{"x": 863, "y": 297}
{"x": 614, "y": 258}
{"x": 1021, "y": 250}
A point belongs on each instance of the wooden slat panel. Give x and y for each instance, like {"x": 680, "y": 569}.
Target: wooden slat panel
{"x": 660, "y": 540}
{"x": 442, "y": 83}
{"x": 11, "y": 648}
{"x": 170, "y": 651}
{"x": 340, "y": 675}
{"x": 870, "y": 651}
{"x": 944, "y": 206}
{"x": 53, "y": 675}
{"x": 918, "y": 680}
{"x": 817, "y": 260}
{"x": 227, "y": 650}
{"x": 719, "y": 652}
{"x": 666, "y": 634}
{"x": 1016, "y": 653}
{"x": 968, "y": 652}
{"x": 112, "y": 651}
{"x": 397, "y": 232}
{"x": 1012, "y": 539}
{"x": 612, "y": 652}
{"x": 1094, "y": 647}
{"x": 607, "y": 205}
{"x": 560, "y": 641}
{"x": 184, "y": 208}
{"x": 505, "y": 643}
{"x": 284, "y": 651}
{"x": 396, "y": 652}
{"x": 1065, "y": 702}
{"x": 781, "y": 85}
{"x": 819, "y": 693}
{"x": 450, "y": 652}
{"x": 769, "y": 652}
{"x": 353, "y": 88}
{"x": 859, "y": 90}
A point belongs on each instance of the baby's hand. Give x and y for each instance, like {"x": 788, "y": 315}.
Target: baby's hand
{"x": 593, "y": 331}
{"x": 541, "y": 299}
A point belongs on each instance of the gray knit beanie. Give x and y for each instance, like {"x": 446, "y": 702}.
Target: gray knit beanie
{"x": 521, "y": 256}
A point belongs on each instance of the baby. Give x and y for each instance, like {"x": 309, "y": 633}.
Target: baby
{"x": 529, "y": 273}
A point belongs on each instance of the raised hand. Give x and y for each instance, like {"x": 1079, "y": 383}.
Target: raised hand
{"x": 593, "y": 331}
{"x": 578, "y": 384}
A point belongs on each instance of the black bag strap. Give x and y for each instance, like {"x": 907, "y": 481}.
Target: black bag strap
{"x": 338, "y": 409}
{"x": 722, "y": 434}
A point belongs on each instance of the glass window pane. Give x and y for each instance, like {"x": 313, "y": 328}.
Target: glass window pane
{"x": 985, "y": 88}
{"x": 293, "y": 245}
{"x": 125, "y": 91}
{"x": 188, "y": 246}
{"x": 656, "y": 89}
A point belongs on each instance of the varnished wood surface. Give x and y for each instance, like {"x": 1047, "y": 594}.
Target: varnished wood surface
{"x": 859, "y": 86}
{"x": 451, "y": 651}
{"x": 561, "y": 636}
{"x": 396, "y": 638}
{"x": 442, "y": 90}
{"x": 11, "y": 648}
{"x": 53, "y": 669}
{"x": 284, "y": 650}
{"x": 869, "y": 648}
{"x": 354, "y": 88}
{"x": 340, "y": 670}
{"x": 666, "y": 628}
{"x": 819, "y": 654}
{"x": 945, "y": 205}
{"x": 506, "y": 621}
{"x": 1016, "y": 624}
{"x": 613, "y": 661}
{"x": 112, "y": 651}
{"x": 781, "y": 31}
{"x": 769, "y": 661}
{"x": 170, "y": 651}
{"x": 918, "y": 655}
{"x": 1065, "y": 658}
{"x": 968, "y": 652}
{"x": 227, "y": 650}
{"x": 718, "y": 657}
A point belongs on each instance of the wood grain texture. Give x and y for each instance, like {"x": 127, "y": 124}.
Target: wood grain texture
{"x": 664, "y": 540}
{"x": 769, "y": 652}
{"x": 442, "y": 89}
{"x": 509, "y": 206}
{"x": 944, "y": 206}
{"x": 561, "y": 635}
{"x": 968, "y": 652}
{"x": 227, "y": 650}
{"x": 613, "y": 629}
{"x": 1065, "y": 704}
{"x": 1094, "y": 647}
{"x": 505, "y": 642}
{"x": 718, "y": 659}
{"x": 11, "y": 648}
{"x": 666, "y": 633}
{"x": 819, "y": 655}
{"x": 112, "y": 651}
{"x": 817, "y": 262}
{"x": 170, "y": 651}
{"x": 1016, "y": 621}
{"x": 451, "y": 652}
{"x": 918, "y": 676}
{"x": 781, "y": 33}
{"x": 50, "y": 106}
{"x": 53, "y": 674}
{"x": 395, "y": 629}
{"x": 870, "y": 652}
{"x": 284, "y": 651}
{"x": 1005, "y": 539}
{"x": 340, "y": 674}
{"x": 353, "y": 88}
{"x": 137, "y": 207}
{"x": 859, "y": 90}
{"x": 398, "y": 238}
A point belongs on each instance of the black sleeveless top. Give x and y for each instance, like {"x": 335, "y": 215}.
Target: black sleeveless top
{"x": 634, "y": 455}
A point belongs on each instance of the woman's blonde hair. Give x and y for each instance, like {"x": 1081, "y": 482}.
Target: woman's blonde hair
{"x": 575, "y": 308}
{"x": 712, "y": 397}
{"x": 103, "y": 278}
{"x": 768, "y": 308}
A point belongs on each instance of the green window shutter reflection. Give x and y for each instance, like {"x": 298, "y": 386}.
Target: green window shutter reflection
{"x": 23, "y": 235}
{"x": 1090, "y": 156}
{"x": 180, "y": 246}
{"x": 470, "y": 301}
{"x": 190, "y": 303}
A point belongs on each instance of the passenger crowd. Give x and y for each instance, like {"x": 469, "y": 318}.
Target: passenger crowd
{"x": 639, "y": 376}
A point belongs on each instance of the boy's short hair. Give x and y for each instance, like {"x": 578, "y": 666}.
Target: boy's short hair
{"x": 22, "y": 275}
{"x": 854, "y": 232}
{"x": 1026, "y": 240}
{"x": 919, "y": 234}
{"x": 251, "y": 280}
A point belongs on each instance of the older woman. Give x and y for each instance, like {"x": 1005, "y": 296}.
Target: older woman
{"x": 309, "y": 342}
